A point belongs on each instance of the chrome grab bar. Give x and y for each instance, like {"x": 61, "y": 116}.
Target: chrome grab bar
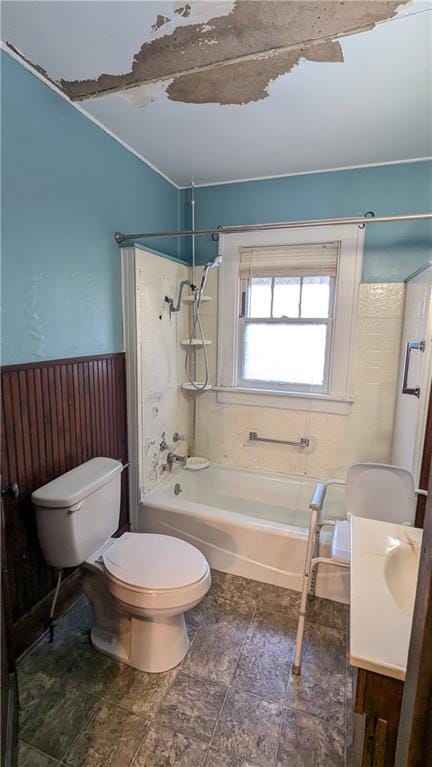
{"x": 302, "y": 442}
{"x": 420, "y": 345}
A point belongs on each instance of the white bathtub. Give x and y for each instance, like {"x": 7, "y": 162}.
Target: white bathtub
{"x": 245, "y": 522}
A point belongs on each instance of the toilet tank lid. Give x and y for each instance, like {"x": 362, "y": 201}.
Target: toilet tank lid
{"x": 77, "y": 484}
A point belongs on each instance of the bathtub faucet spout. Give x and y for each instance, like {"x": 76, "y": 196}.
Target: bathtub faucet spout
{"x": 172, "y": 458}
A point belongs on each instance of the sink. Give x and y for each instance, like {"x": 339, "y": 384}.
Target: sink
{"x": 401, "y": 564}
{"x": 384, "y": 568}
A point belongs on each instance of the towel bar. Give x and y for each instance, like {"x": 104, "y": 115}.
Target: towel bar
{"x": 302, "y": 442}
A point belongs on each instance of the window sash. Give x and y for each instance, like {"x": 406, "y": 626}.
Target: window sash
{"x": 244, "y": 320}
{"x": 245, "y": 290}
{"x": 251, "y": 383}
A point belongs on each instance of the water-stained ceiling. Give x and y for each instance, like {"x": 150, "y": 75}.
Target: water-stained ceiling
{"x": 216, "y": 91}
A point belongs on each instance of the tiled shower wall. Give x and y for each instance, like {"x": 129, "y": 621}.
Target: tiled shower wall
{"x": 163, "y": 408}
{"x": 337, "y": 441}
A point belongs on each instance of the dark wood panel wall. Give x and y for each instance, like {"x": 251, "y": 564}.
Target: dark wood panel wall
{"x": 55, "y": 415}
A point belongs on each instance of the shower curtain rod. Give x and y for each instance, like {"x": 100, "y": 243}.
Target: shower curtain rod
{"x": 361, "y": 220}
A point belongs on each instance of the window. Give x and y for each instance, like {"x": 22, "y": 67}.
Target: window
{"x": 286, "y": 315}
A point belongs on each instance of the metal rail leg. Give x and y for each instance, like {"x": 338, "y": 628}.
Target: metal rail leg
{"x": 313, "y": 524}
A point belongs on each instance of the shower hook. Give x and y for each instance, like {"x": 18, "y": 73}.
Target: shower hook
{"x": 368, "y": 214}
{"x": 215, "y": 236}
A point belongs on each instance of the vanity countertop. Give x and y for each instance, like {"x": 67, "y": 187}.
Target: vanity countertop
{"x": 384, "y": 569}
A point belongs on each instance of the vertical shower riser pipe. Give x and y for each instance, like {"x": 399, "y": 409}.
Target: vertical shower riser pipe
{"x": 194, "y": 309}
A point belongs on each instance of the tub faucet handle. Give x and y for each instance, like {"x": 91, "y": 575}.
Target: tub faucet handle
{"x": 178, "y": 437}
{"x": 163, "y": 446}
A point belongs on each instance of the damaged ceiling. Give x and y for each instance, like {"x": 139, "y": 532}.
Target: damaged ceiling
{"x": 219, "y": 91}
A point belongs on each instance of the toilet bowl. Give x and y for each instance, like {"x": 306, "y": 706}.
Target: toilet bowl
{"x": 139, "y": 585}
{"x": 154, "y": 580}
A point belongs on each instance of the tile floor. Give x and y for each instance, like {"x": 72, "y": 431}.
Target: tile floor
{"x": 233, "y": 702}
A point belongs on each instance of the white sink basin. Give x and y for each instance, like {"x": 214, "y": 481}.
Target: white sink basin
{"x": 384, "y": 568}
{"x": 401, "y": 566}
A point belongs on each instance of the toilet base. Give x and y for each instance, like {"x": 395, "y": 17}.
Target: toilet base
{"x": 147, "y": 644}
{"x": 158, "y": 644}
{"x": 152, "y": 644}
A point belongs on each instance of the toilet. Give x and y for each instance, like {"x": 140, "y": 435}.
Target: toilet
{"x": 139, "y": 585}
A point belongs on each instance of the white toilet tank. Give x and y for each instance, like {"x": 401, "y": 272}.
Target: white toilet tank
{"x": 77, "y": 512}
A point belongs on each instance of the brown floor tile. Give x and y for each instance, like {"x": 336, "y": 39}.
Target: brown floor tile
{"x": 277, "y": 599}
{"x": 243, "y": 634}
{"x": 138, "y": 691}
{"x": 308, "y": 742}
{"x": 216, "y": 650}
{"x": 321, "y": 687}
{"x": 80, "y": 616}
{"x": 71, "y": 653}
{"x": 215, "y": 608}
{"x": 164, "y": 748}
{"x": 110, "y": 738}
{"x": 324, "y": 648}
{"x": 52, "y": 723}
{"x": 192, "y": 706}
{"x": 262, "y": 672}
{"x": 327, "y": 613}
{"x": 235, "y": 589}
{"x": 90, "y": 669}
{"x": 248, "y": 728}
{"x": 218, "y": 759}
{"x": 275, "y": 633}
{"x": 57, "y": 657}
{"x": 32, "y": 688}
{"x": 28, "y": 757}
{"x": 319, "y": 693}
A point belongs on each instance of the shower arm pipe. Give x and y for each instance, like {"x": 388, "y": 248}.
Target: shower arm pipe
{"x": 360, "y": 220}
{"x": 176, "y": 307}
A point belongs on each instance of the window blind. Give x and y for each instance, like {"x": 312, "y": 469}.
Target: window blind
{"x": 290, "y": 260}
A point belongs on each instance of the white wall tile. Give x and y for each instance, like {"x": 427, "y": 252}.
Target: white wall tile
{"x": 163, "y": 407}
{"x": 337, "y": 441}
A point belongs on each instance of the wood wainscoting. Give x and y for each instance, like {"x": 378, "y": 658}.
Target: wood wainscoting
{"x": 55, "y": 415}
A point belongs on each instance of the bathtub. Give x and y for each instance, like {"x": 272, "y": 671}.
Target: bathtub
{"x": 246, "y": 522}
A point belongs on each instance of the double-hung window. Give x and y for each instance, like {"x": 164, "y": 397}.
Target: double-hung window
{"x": 286, "y": 316}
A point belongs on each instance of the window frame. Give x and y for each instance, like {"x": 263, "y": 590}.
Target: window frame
{"x": 229, "y": 384}
{"x": 243, "y": 320}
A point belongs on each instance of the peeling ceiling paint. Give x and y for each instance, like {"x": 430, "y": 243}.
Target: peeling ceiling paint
{"x": 291, "y": 109}
{"x": 233, "y": 57}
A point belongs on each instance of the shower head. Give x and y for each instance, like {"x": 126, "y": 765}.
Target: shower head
{"x": 214, "y": 263}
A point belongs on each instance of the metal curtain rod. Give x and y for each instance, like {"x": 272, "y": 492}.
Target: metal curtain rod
{"x": 361, "y": 220}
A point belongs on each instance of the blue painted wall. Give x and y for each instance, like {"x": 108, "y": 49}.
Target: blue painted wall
{"x": 66, "y": 186}
{"x": 392, "y": 251}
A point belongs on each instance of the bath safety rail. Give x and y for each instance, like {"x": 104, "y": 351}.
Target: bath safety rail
{"x": 302, "y": 442}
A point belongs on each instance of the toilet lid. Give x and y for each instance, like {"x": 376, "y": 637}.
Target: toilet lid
{"x": 150, "y": 561}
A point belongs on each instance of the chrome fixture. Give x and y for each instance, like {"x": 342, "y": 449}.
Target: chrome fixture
{"x": 420, "y": 346}
{"x": 302, "y": 442}
{"x": 178, "y": 437}
{"x": 170, "y": 301}
{"x": 172, "y": 458}
{"x": 120, "y": 238}
{"x": 213, "y": 263}
{"x": 163, "y": 446}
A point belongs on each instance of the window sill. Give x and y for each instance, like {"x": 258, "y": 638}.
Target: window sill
{"x": 315, "y": 403}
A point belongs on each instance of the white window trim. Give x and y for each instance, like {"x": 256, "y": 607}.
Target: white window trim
{"x": 351, "y": 240}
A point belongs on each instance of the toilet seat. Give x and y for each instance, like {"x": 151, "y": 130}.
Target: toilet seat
{"x": 155, "y": 572}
